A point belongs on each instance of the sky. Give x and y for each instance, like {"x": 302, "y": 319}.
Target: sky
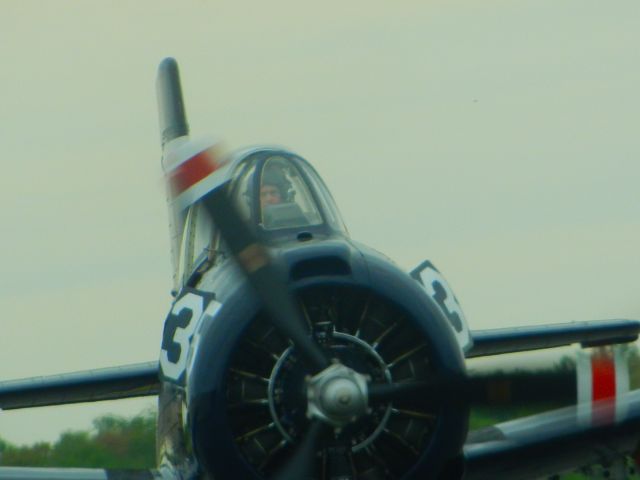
{"x": 497, "y": 139}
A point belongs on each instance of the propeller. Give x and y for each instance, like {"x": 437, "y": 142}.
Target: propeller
{"x": 269, "y": 281}
{"x": 388, "y": 392}
{"x": 516, "y": 388}
{"x": 264, "y": 275}
{"x": 300, "y": 467}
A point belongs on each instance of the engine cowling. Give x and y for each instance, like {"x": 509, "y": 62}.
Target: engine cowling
{"x": 248, "y": 395}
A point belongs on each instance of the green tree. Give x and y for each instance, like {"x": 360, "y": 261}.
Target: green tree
{"x": 114, "y": 442}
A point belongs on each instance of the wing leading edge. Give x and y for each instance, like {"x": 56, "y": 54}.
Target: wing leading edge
{"x": 128, "y": 381}
{"x": 589, "y": 334}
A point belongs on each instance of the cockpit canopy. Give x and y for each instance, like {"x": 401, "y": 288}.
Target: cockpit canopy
{"x": 279, "y": 195}
{"x": 275, "y": 191}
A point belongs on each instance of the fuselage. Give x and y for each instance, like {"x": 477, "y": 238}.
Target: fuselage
{"x": 240, "y": 384}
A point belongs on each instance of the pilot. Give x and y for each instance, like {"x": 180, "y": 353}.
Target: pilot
{"x": 269, "y": 195}
{"x": 274, "y": 188}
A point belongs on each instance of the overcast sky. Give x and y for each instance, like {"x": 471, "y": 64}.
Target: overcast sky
{"x": 499, "y": 139}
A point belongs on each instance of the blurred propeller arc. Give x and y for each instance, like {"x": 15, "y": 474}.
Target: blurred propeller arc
{"x": 301, "y": 465}
{"x": 264, "y": 275}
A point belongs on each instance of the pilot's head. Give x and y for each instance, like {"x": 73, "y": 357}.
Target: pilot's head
{"x": 270, "y": 194}
{"x": 273, "y": 187}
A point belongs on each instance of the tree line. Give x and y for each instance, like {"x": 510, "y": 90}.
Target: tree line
{"x": 114, "y": 442}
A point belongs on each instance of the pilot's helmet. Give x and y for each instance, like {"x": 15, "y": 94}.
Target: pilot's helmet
{"x": 275, "y": 176}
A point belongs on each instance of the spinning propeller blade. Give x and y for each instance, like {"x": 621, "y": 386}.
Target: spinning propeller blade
{"x": 388, "y": 392}
{"x": 300, "y": 467}
{"x": 517, "y": 388}
{"x": 266, "y": 277}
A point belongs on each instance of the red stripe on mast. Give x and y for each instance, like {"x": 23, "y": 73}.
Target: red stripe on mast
{"x": 603, "y": 381}
{"x": 192, "y": 171}
{"x": 603, "y": 376}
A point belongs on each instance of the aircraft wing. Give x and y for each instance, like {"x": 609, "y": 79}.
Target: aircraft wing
{"x": 135, "y": 380}
{"x": 553, "y": 442}
{"x": 589, "y": 334}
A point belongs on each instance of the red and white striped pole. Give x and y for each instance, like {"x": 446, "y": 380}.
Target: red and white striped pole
{"x": 603, "y": 378}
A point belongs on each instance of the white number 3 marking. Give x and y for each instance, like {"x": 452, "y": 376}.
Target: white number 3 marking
{"x": 193, "y": 304}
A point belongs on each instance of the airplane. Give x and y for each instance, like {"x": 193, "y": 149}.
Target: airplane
{"x": 291, "y": 351}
